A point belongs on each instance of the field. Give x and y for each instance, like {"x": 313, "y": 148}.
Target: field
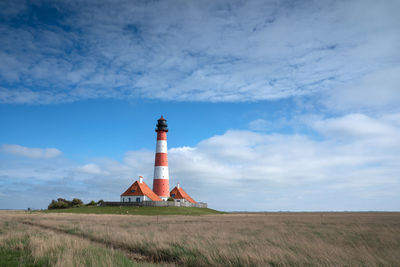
{"x": 265, "y": 239}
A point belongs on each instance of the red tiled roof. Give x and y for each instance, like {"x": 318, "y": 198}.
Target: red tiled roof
{"x": 181, "y": 194}
{"x": 141, "y": 189}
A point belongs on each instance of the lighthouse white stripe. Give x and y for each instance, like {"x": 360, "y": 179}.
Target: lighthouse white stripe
{"x": 161, "y": 172}
{"x": 161, "y": 146}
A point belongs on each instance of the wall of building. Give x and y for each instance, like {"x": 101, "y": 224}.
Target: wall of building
{"x": 134, "y": 198}
{"x": 157, "y": 204}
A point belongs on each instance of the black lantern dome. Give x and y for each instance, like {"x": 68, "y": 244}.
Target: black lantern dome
{"x": 162, "y": 125}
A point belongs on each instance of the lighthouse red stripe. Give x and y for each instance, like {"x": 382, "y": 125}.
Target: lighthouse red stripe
{"x": 161, "y": 187}
{"x": 161, "y": 159}
{"x": 161, "y": 135}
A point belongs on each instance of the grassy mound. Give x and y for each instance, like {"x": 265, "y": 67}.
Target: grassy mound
{"x": 137, "y": 210}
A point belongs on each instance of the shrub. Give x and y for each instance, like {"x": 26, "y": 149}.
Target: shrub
{"x": 69, "y": 203}
{"x": 77, "y": 202}
{"x": 170, "y": 199}
{"x": 62, "y": 203}
{"x": 59, "y": 204}
{"x": 52, "y": 205}
{"x": 91, "y": 203}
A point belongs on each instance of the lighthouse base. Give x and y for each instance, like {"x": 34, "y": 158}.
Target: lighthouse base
{"x": 161, "y": 188}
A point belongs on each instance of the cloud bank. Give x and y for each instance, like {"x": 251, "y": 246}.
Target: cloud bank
{"x": 218, "y": 51}
{"x": 346, "y": 168}
{"x": 30, "y": 152}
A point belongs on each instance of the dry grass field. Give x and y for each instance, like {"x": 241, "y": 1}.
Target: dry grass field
{"x": 268, "y": 239}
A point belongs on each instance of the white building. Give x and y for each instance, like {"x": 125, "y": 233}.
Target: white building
{"x": 139, "y": 192}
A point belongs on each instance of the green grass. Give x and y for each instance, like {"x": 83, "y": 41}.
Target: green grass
{"x": 9, "y": 257}
{"x": 90, "y": 256}
{"x": 15, "y": 252}
{"x": 137, "y": 210}
{"x": 93, "y": 256}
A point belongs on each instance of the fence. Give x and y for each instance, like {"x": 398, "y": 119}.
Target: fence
{"x": 155, "y": 204}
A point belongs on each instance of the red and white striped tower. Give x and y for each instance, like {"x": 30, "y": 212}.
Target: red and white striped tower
{"x": 161, "y": 173}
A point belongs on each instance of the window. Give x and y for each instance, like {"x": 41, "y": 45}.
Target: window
{"x": 129, "y": 199}
{"x": 138, "y": 199}
{"x": 172, "y": 195}
{"x": 133, "y": 191}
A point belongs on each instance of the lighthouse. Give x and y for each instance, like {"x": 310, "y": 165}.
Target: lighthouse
{"x": 143, "y": 196}
{"x": 161, "y": 173}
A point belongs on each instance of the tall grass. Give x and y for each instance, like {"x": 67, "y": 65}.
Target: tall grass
{"x": 25, "y": 245}
{"x": 269, "y": 239}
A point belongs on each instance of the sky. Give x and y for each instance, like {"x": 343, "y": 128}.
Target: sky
{"x": 271, "y": 105}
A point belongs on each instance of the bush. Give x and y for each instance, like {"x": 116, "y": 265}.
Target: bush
{"x": 77, "y": 202}
{"x": 69, "y": 203}
{"x": 52, "y": 205}
{"x": 62, "y": 203}
{"x": 91, "y": 203}
{"x": 170, "y": 199}
{"x": 59, "y": 204}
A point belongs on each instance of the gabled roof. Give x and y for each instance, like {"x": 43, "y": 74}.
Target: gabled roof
{"x": 181, "y": 194}
{"x": 141, "y": 189}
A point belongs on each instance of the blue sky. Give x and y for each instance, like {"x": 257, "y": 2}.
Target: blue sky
{"x": 271, "y": 105}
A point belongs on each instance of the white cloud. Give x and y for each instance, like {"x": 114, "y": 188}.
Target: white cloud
{"x": 240, "y": 156}
{"x": 90, "y": 168}
{"x": 357, "y": 126}
{"x": 354, "y": 166}
{"x": 30, "y": 152}
{"x": 376, "y": 90}
{"x": 260, "y": 125}
{"x": 192, "y": 51}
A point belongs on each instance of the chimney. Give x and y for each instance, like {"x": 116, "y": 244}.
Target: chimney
{"x": 141, "y": 179}
{"x": 178, "y": 186}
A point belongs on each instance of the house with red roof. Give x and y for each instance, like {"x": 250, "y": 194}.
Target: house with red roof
{"x": 139, "y": 191}
{"x": 179, "y": 195}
